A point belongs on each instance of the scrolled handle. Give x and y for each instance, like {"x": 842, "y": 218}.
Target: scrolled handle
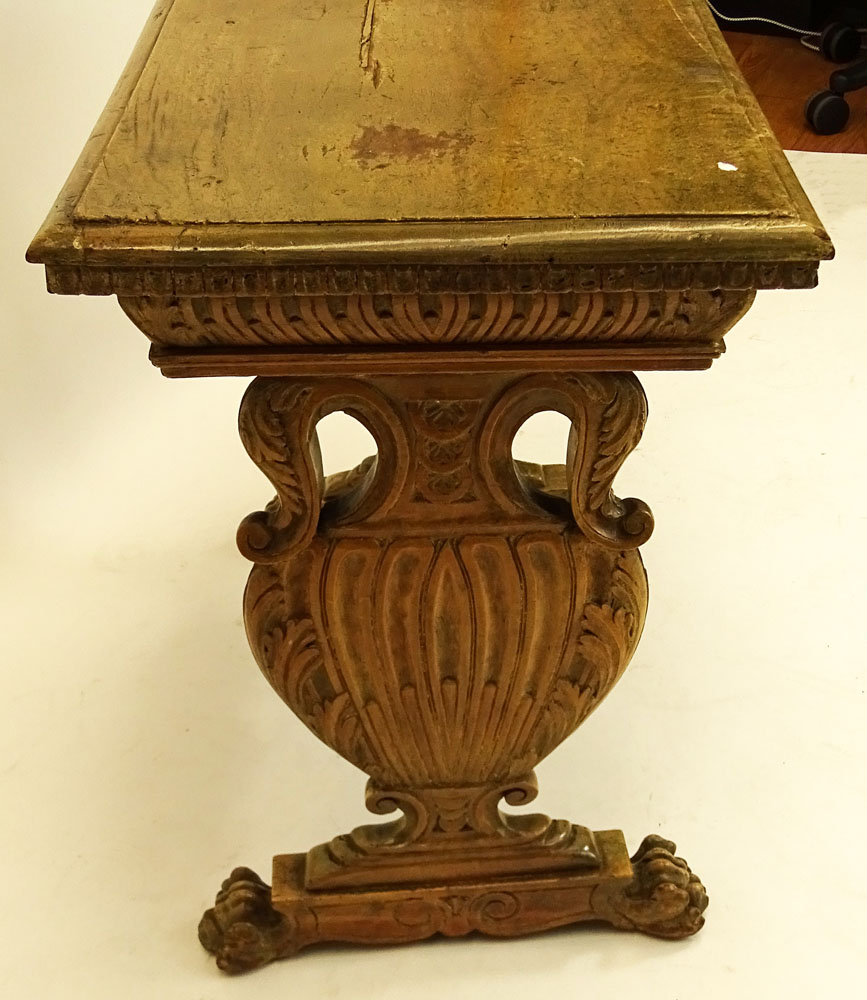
{"x": 607, "y": 414}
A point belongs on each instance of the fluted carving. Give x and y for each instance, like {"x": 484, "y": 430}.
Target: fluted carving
{"x": 396, "y": 653}
{"x": 436, "y": 649}
{"x": 443, "y": 617}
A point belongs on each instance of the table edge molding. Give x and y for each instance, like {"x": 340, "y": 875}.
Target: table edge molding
{"x": 415, "y": 279}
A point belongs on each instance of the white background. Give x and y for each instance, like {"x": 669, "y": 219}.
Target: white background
{"x": 142, "y": 756}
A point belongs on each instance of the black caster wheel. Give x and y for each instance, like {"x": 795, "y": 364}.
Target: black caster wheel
{"x": 840, "y": 43}
{"x": 826, "y": 112}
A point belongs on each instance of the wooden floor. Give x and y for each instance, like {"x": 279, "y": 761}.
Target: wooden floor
{"x": 783, "y": 74}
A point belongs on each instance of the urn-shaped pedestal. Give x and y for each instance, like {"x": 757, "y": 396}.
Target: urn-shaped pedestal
{"x": 443, "y": 616}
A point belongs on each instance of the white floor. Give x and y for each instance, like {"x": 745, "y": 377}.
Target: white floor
{"x": 142, "y": 756}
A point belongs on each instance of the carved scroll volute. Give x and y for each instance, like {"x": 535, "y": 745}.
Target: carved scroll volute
{"x": 607, "y": 413}
{"x": 278, "y": 427}
{"x": 613, "y": 412}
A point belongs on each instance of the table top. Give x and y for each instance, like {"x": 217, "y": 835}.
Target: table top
{"x": 280, "y": 132}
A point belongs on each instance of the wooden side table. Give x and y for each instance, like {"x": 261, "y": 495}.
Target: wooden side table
{"x": 441, "y": 218}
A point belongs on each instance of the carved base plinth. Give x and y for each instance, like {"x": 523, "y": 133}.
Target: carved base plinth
{"x": 452, "y": 835}
{"x": 252, "y": 924}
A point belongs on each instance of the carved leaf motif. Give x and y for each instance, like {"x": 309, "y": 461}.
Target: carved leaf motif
{"x": 447, "y": 414}
{"x": 444, "y": 430}
{"x": 618, "y": 436}
{"x": 610, "y": 420}
{"x": 609, "y": 633}
{"x": 628, "y": 316}
{"x": 568, "y": 704}
{"x": 293, "y": 661}
{"x": 294, "y": 650}
{"x": 273, "y": 425}
{"x": 274, "y": 446}
{"x": 336, "y": 723}
{"x": 444, "y": 453}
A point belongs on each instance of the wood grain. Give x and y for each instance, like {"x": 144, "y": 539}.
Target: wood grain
{"x": 517, "y": 142}
{"x": 252, "y": 924}
{"x": 406, "y": 114}
{"x": 388, "y": 333}
{"x": 440, "y": 218}
{"x": 483, "y": 318}
{"x": 443, "y": 617}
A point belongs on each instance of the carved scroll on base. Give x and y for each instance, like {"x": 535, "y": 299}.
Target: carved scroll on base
{"x": 654, "y": 893}
{"x": 443, "y": 617}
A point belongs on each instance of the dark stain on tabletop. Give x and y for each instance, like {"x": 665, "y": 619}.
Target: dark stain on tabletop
{"x": 395, "y": 142}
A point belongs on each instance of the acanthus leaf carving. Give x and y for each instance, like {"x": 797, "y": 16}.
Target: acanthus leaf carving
{"x": 292, "y": 662}
{"x": 627, "y": 316}
{"x": 376, "y": 610}
{"x": 444, "y": 430}
{"x": 613, "y": 411}
{"x": 607, "y": 414}
{"x": 276, "y": 428}
{"x": 608, "y": 634}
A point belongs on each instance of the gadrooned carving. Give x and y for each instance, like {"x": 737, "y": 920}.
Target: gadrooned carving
{"x": 443, "y": 318}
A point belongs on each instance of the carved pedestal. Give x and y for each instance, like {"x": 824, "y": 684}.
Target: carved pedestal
{"x": 443, "y": 617}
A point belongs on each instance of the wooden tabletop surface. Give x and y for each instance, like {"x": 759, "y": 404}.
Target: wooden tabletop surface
{"x": 532, "y": 128}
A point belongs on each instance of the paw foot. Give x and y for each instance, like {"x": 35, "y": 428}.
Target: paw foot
{"x": 664, "y": 899}
{"x": 242, "y": 930}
